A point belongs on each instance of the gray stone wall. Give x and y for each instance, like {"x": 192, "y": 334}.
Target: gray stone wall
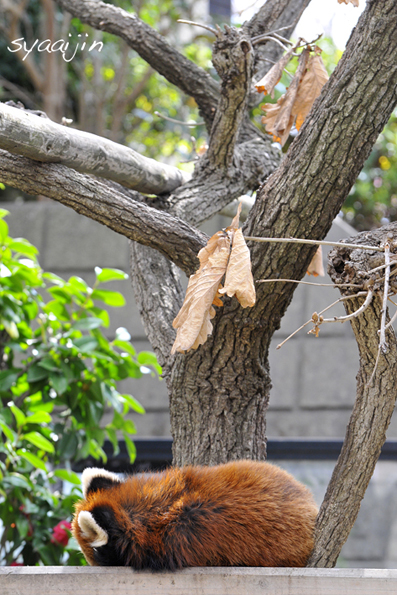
{"x": 313, "y": 379}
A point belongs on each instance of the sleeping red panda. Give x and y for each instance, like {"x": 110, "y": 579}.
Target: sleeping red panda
{"x": 243, "y": 513}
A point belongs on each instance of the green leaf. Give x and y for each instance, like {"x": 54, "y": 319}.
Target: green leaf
{"x": 59, "y": 382}
{"x": 38, "y": 440}
{"x": 3, "y": 231}
{"x": 40, "y": 417}
{"x": 7, "y": 378}
{"x": 134, "y": 404}
{"x": 111, "y": 298}
{"x": 102, "y": 314}
{"x": 131, "y": 449}
{"x": 113, "y": 439}
{"x": 148, "y": 358}
{"x": 47, "y": 407}
{"x": 16, "y": 480}
{"x": 48, "y": 364}
{"x": 85, "y": 344}
{"x": 8, "y": 432}
{"x": 86, "y": 324}
{"x": 20, "y": 417}
{"x": 105, "y": 275}
{"x": 78, "y": 283}
{"x": 69, "y": 476}
{"x": 112, "y": 396}
{"x": 36, "y": 372}
{"x": 23, "y": 247}
{"x": 23, "y": 526}
{"x": 57, "y": 309}
{"x": 32, "y": 459}
{"x": 4, "y": 213}
{"x": 67, "y": 446}
{"x": 96, "y": 451}
{"x": 124, "y": 345}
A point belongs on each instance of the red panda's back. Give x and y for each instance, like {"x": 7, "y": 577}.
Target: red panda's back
{"x": 243, "y": 513}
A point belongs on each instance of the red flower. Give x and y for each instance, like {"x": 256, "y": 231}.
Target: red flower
{"x": 16, "y": 564}
{"x": 59, "y": 533}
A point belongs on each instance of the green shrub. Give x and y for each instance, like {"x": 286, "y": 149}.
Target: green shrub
{"x": 58, "y": 373}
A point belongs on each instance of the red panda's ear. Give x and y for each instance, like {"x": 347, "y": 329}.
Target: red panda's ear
{"x": 94, "y": 479}
{"x": 90, "y": 530}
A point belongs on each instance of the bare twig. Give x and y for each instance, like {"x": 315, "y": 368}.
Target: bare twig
{"x": 314, "y": 243}
{"x": 269, "y": 38}
{"x": 283, "y": 39}
{"x": 294, "y": 333}
{"x": 213, "y": 31}
{"x": 191, "y": 124}
{"x": 368, "y": 300}
{"x": 382, "y": 333}
{"x": 271, "y": 32}
{"x": 309, "y": 283}
{"x": 346, "y": 297}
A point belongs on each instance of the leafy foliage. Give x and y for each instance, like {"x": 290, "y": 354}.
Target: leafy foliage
{"x": 373, "y": 199}
{"x": 58, "y": 374}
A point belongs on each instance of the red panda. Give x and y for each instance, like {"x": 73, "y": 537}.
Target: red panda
{"x": 243, "y": 513}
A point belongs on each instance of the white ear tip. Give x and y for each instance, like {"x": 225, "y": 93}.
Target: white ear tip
{"x": 91, "y": 530}
{"x": 91, "y": 472}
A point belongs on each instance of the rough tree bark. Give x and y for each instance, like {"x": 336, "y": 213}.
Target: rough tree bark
{"x": 219, "y": 393}
{"x": 375, "y": 399}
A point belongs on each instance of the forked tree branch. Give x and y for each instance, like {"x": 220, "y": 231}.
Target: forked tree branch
{"x": 153, "y": 48}
{"x": 172, "y": 237}
{"x": 41, "y": 139}
{"x": 375, "y": 401}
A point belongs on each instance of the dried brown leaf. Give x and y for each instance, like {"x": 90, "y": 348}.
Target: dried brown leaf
{"x": 279, "y": 117}
{"x": 272, "y": 112}
{"x": 354, "y": 2}
{"x": 193, "y": 320}
{"x": 271, "y": 78}
{"x": 239, "y": 280}
{"x": 285, "y": 112}
{"x": 309, "y": 89}
{"x": 316, "y": 267}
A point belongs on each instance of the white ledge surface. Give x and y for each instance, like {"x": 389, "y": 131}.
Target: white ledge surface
{"x": 70, "y": 580}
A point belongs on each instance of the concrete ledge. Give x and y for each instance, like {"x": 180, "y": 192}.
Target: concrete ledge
{"x": 57, "y": 580}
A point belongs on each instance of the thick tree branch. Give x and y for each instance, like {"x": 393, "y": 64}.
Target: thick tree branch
{"x": 159, "y": 296}
{"x": 41, "y": 139}
{"x": 209, "y": 191}
{"x": 153, "y": 48}
{"x": 375, "y": 400}
{"x": 173, "y": 238}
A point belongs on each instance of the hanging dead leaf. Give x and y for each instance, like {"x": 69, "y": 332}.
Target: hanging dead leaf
{"x": 309, "y": 89}
{"x": 239, "y": 280}
{"x": 316, "y": 267}
{"x": 193, "y": 320}
{"x": 271, "y": 78}
{"x": 279, "y": 117}
{"x": 354, "y": 2}
{"x": 272, "y": 111}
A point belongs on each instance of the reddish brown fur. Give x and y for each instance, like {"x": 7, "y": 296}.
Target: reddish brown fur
{"x": 243, "y": 513}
